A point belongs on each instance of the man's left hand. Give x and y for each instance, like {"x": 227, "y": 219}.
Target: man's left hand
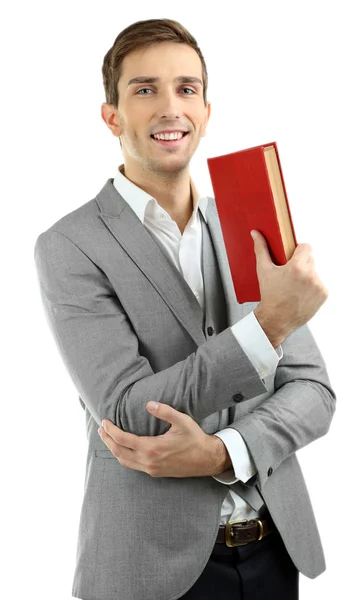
{"x": 183, "y": 451}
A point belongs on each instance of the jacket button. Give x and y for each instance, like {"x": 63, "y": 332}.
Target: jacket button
{"x": 238, "y": 397}
{"x": 210, "y": 330}
{"x": 270, "y": 471}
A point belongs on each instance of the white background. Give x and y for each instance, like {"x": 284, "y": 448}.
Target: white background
{"x": 278, "y": 71}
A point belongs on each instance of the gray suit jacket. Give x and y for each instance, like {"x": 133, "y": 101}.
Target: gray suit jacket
{"x": 129, "y": 330}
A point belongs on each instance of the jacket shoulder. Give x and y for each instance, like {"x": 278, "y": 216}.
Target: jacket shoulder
{"x": 77, "y": 225}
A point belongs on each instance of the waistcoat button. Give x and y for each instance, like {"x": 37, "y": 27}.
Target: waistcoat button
{"x": 210, "y": 330}
{"x": 238, "y": 397}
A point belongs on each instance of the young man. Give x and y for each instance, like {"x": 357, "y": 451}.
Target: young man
{"x": 138, "y": 293}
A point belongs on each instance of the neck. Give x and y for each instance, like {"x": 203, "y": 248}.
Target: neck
{"x": 172, "y": 191}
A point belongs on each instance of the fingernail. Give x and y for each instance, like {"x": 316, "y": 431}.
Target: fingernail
{"x": 102, "y": 423}
{"x": 99, "y": 431}
{"x": 153, "y": 406}
{"x": 253, "y": 234}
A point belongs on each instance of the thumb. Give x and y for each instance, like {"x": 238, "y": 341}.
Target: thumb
{"x": 166, "y": 413}
{"x": 261, "y": 248}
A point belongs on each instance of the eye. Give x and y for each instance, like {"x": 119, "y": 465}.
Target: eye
{"x": 184, "y": 88}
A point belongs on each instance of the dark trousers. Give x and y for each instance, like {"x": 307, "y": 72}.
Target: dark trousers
{"x": 259, "y": 571}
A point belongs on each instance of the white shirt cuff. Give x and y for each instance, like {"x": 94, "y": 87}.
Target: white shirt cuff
{"x": 256, "y": 345}
{"x": 243, "y": 466}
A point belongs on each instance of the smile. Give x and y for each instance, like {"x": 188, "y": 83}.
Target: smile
{"x": 171, "y": 143}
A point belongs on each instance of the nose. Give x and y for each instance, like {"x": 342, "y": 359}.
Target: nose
{"x": 169, "y": 105}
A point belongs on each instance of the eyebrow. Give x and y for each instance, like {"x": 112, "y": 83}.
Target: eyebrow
{"x": 180, "y": 79}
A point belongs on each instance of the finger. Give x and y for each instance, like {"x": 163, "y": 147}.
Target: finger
{"x": 124, "y": 438}
{"x": 168, "y": 413}
{"x": 310, "y": 261}
{"x": 116, "y": 449}
{"x": 302, "y": 253}
{"x": 125, "y": 456}
{"x": 261, "y": 249}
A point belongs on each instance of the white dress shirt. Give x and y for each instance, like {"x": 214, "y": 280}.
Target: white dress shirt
{"x": 185, "y": 252}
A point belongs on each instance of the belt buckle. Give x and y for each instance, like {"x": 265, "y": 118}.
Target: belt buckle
{"x": 229, "y": 534}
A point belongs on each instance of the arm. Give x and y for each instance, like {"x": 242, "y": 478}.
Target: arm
{"x": 235, "y": 458}
{"x": 100, "y": 349}
{"x": 299, "y": 412}
{"x": 303, "y": 403}
{"x": 191, "y": 453}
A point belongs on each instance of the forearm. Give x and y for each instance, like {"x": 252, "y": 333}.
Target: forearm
{"x": 299, "y": 412}
{"x": 204, "y": 384}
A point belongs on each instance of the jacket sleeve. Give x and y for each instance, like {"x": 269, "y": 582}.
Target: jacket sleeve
{"x": 100, "y": 349}
{"x": 299, "y": 412}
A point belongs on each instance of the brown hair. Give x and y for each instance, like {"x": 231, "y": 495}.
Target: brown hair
{"x": 139, "y": 35}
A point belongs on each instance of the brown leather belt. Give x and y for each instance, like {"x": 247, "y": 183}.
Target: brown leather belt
{"x": 240, "y": 533}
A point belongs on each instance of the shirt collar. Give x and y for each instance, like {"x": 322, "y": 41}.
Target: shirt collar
{"x": 143, "y": 204}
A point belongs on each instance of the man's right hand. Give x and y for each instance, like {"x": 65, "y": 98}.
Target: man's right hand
{"x": 290, "y": 294}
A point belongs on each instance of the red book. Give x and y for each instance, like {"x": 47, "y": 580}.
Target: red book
{"x": 250, "y": 193}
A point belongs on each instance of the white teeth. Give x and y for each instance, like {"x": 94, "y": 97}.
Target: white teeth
{"x": 169, "y": 136}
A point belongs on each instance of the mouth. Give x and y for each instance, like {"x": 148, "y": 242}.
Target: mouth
{"x": 171, "y": 143}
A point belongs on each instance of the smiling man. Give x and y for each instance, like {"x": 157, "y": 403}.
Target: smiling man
{"x": 198, "y": 495}
{"x": 158, "y": 146}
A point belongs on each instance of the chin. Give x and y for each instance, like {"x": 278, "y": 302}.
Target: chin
{"x": 169, "y": 164}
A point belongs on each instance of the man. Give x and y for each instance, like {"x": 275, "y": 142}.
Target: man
{"x": 138, "y": 293}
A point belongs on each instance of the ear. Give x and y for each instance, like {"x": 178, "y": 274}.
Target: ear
{"x": 110, "y": 116}
{"x": 207, "y": 117}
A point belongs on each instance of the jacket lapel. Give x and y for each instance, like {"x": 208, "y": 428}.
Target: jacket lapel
{"x": 148, "y": 255}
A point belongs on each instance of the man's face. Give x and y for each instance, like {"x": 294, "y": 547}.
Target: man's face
{"x": 146, "y": 108}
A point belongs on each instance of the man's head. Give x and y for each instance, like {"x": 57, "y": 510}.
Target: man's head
{"x": 165, "y": 50}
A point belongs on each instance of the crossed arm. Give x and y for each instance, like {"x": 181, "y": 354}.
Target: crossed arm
{"x": 299, "y": 411}
{"x": 85, "y": 314}
{"x": 187, "y": 451}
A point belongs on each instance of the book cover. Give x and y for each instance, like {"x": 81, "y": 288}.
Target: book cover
{"x": 250, "y": 193}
